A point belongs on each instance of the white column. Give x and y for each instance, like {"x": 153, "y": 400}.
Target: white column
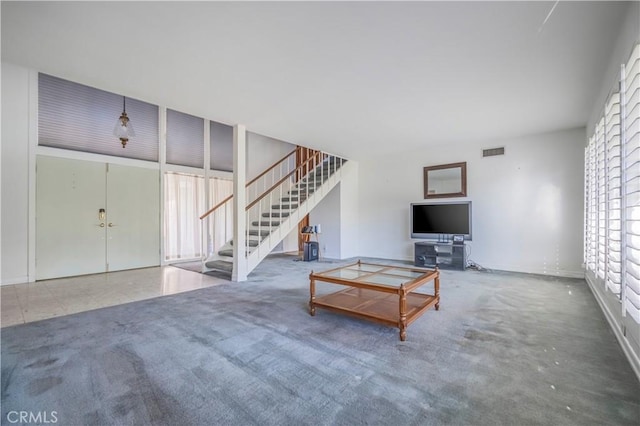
{"x": 162, "y": 164}
{"x": 239, "y": 202}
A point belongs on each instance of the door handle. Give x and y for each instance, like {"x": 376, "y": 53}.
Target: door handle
{"x": 111, "y": 225}
{"x": 101, "y": 225}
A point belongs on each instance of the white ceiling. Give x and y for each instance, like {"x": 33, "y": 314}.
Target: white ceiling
{"x": 352, "y": 78}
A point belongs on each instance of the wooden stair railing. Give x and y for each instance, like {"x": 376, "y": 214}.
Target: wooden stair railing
{"x": 290, "y": 188}
{"x": 303, "y": 167}
{"x": 255, "y": 179}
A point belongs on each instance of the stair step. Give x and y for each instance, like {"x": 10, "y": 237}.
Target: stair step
{"x": 252, "y": 243}
{"x": 220, "y": 265}
{"x": 317, "y": 177}
{"x": 302, "y": 192}
{"x": 313, "y": 176}
{"x": 287, "y": 206}
{"x": 290, "y": 199}
{"x": 262, "y": 232}
{"x": 228, "y": 252}
{"x": 276, "y": 214}
{"x": 266, "y": 223}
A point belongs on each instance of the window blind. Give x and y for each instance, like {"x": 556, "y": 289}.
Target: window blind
{"x": 185, "y": 139}
{"x": 631, "y": 185}
{"x": 613, "y": 170}
{"x": 221, "y": 142}
{"x": 82, "y": 118}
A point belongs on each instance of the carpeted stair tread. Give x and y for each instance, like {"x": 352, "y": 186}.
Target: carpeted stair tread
{"x": 283, "y": 206}
{"x": 266, "y": 223}
{"x": 220, "y": 265}
{"x": 276, "y": 214}
{"x": 252, "y": 243}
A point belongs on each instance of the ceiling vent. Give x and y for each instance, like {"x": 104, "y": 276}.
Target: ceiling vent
{"x": 493, "y": 152}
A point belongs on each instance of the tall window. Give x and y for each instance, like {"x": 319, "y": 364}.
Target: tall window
{"x": 612, "y": 193}
{"x": 183, "y": 205}
{"x": 184, "y": 202}
{"x": 631, "y": 185}
{"x": 221, "y": 221}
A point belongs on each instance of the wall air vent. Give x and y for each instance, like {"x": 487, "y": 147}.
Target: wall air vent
{"x": 492, "y": 152}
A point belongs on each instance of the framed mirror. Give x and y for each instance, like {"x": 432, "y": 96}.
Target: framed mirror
{"x": 445, "y": 180}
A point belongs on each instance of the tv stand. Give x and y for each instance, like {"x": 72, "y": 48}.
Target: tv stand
{"x": 431, "y": 254}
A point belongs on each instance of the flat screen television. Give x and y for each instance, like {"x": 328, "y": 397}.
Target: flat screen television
{"x": 438, "y": 220}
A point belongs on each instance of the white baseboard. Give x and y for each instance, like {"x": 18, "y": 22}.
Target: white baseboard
{"x": 634, "y": 358}
{"x": 11, "y": 281}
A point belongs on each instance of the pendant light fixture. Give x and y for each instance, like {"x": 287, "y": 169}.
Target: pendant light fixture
{"x": 123, "y": 129}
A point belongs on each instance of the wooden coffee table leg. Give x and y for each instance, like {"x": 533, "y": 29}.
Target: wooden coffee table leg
{"x": 436, "y": 289}
{"x": 312, "y": 299}
{"x": 403, "y": 313}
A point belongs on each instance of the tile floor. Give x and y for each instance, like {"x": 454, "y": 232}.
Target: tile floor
{"x": 40, "y": 300}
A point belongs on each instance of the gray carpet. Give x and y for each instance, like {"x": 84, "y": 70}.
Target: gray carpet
{"x": 504, "y": 349}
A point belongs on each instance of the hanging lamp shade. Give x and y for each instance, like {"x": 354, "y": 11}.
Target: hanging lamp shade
{"x": 123, "y": 129}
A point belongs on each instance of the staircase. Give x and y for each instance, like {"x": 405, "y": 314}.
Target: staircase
{"x": 285, "y": 196}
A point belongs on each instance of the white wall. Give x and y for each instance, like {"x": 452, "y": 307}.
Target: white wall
{"x": 15, "y": 174}
{"x": 629, "y": 35}
{"x": 327, "y": 214}
{"x": 527, "y": 205}
{"x": 338, "y": 213}
{"x": 350, "y": 229}
{"x": 262, "y": 152}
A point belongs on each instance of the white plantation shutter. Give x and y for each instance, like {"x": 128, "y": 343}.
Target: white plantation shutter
{"x": 631, "y": 185}
{"x": 601, "y": 259}
{"x": 81, "y": 118}
{"x": 613, "y": 169}
{"x": 591, "y": 206}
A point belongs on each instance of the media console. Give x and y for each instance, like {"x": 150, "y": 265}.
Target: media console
{"x": 430, "y": 254}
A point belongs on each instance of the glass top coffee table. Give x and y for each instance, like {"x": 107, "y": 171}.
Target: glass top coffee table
{"x": 380, "y": 293}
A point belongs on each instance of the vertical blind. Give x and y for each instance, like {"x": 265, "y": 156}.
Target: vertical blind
{"x": 612, "y": 193}
{"x": 82, "y": 118}
{"x": 185, "y": 139}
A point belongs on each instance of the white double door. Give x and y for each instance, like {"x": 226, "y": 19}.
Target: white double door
{"x": 95, "y": 217}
